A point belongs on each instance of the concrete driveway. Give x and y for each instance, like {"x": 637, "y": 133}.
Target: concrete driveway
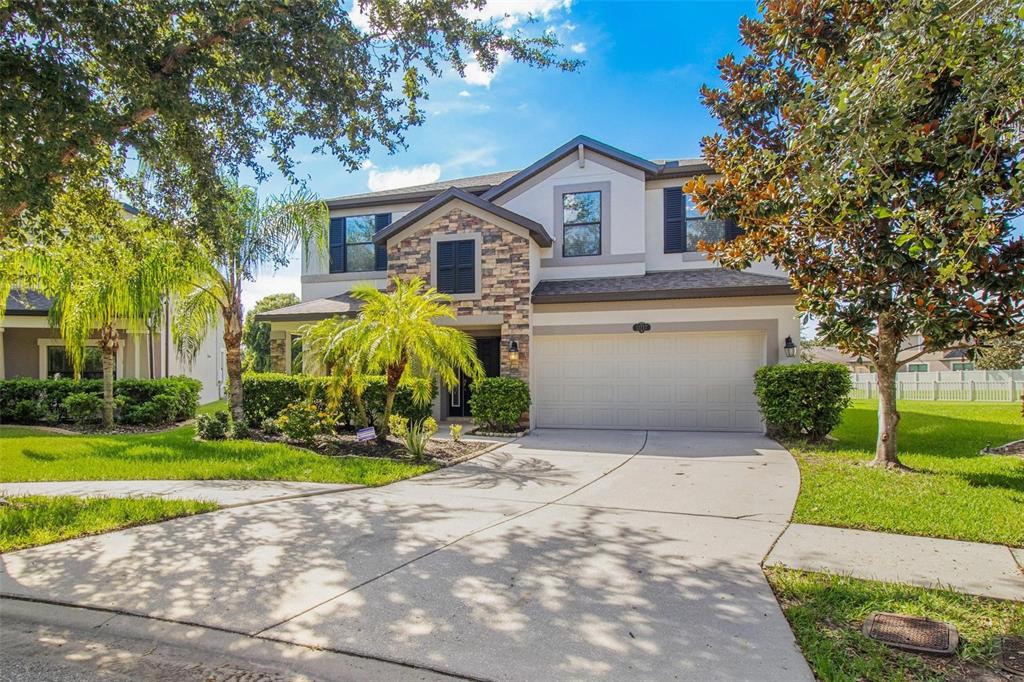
{"x": 564, "y": 555}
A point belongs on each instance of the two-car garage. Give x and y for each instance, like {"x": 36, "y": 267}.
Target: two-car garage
{"x": 699, "y": 381}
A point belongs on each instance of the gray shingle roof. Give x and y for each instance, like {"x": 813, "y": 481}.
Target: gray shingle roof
{"x": 317, "y": 309}
{"x": 473, "y": 182}
{"x": 26, "y": 302}
{"x": 694, "y": 283}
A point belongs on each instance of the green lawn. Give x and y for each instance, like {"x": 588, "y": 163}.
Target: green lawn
{"x": 826, "y": 613}
{"x": 952, "y": 492}
{"x": 36, "y": 520}
{"x": 30, "y": 455}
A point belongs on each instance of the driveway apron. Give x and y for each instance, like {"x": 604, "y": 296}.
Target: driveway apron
{"x": 563, "y": 555}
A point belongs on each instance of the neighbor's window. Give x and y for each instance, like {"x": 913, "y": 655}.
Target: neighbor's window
{"x": 58, "y": 364}
{"x": 697, "y": 227}
{"x": 581, "y": 224}
{"x": 351, "y": 243}
{"x": 963, "y": 366}
{"x": 917, "y": 367}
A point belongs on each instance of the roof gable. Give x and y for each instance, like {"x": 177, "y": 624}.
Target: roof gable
{"x": 570, "y": 147}
{"x": 536, "y": 230}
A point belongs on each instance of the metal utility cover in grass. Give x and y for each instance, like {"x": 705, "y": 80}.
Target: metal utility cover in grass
{"x": 911, "y": 633}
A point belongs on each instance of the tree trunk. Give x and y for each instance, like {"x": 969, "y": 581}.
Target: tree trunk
{"x": 233, "y": 353}
{"x": 886, "y": 364}
{"x": 108, "y": 346}
{"x": 394, "y": 375}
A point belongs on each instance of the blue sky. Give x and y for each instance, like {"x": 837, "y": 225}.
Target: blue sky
{"x": 638, "y": 90}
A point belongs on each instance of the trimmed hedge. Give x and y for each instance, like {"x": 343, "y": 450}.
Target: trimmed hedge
{"x": 266, "y": 395}
{"x": 498, "y": 403}
{"x": 138, "y": 401}
{"x": 805, "y": 400}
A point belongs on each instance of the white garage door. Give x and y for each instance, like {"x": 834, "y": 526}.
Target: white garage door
{"x": 687, "y": 381}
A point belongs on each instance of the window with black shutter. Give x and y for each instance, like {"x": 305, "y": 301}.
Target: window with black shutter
{"x": 685, "y": 225}
{"x": 673, "y": 200}
{"x": 350, "y": 243}
{"x": 456, "y": 267}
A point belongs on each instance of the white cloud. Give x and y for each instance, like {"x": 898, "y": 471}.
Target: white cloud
{"x": 464, "y": 93}
{"x": 403, "y": 177}
{"x": 512, "y": 12}
{"x": 579, "y": 48}
{"x": 475, "y": 75}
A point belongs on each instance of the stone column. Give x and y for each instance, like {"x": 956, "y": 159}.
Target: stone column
{"x": 278, "y": 348}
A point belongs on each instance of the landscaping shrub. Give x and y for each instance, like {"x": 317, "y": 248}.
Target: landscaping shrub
{"x": 212, "y": 426}
{"x": 456, "y": 431}
{"x": 266, "y": 395}
{"x": 398, "y": 425}
{"x": 303, "y": 421}
{"x": 805, "y": 400}
{"x": 83, "y": 408}
{"x": 139, "y": 401}
{"x": 417, "y": 435}
{"x": 498, "y": 403}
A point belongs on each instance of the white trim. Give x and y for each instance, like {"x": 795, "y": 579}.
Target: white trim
{"x": 135, "y": 355}
{"x": 47, "y": 342}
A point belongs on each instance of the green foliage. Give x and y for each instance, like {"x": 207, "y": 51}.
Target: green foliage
{"x": 417, "y": 436}
{"x": 1001, "y": 353}
{"x": 256, "y": 335}
{"x": 82, "y": 408}
{"x": 805, "y": 400}
{"x": 175, "y": 454}
{"x": 30, "y": 521}
{"x": 303, "y": 421}
{"x": 28, "y": 411}
{"x": 239, "y": 429}
{"x": 397, "y": 333}
{"x": 138, "y": 401}
{"x": 213, "y": 426}
{"x": 873, "y": 151}
{"x": 456, "y": 431}
{"x": 498, "y": 403}
{"x": 398, "y": 425}
{"x": 955, "y": 493}
{"x": 188, "y": 89}
{"x": 269, "y": 426}
{"x": 267, "y": 395}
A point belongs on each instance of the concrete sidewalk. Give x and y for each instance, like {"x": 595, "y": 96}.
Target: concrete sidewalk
{"x": 970, "y": 567}
{"x": 224, "y": 493}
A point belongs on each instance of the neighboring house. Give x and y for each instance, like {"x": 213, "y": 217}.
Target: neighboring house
{"x": 31, "y": 348}
{"x": 939, "y": 361}
{"x": 578, "y": 274}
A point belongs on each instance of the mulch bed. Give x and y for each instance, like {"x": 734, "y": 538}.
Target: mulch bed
{"x": 1014, "y": 448}
{"x": 346, "y": 445}
{"x": 98, "y": 430}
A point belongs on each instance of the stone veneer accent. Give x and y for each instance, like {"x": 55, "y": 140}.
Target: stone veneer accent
{"x": 504, "y": 276}
{"x": 277, "y": 346}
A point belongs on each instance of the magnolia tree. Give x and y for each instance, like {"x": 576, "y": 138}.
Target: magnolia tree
{"x": 874, "y": 151}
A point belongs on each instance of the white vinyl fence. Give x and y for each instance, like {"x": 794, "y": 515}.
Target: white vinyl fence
{"x": 974, "y": 385}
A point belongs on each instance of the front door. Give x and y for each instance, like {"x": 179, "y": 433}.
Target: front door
{"x": 488, "y": 349}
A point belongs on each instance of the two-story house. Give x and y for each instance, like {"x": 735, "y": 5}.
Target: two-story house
{"x": 579, "y": 274}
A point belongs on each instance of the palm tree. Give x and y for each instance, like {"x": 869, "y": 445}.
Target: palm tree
{"x": 397, "y": 332}
{"x": 327, "y": 345}
{"x": 113, "y": 275}
{"x": 250, "y": 235}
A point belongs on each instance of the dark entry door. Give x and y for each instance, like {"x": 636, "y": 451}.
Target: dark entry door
{"x": 488, "y": 349}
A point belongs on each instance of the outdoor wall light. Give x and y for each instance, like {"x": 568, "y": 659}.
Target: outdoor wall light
{"x": 790, "y": 347}
{"x": 513, "y": 351}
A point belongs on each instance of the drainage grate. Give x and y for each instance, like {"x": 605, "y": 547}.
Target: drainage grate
{"x": 1013, "y": 654}
{"x": 912, "y": 633}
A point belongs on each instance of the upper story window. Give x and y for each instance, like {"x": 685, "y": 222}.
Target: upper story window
{"x": 917, "y": 367}
{"x": 686, "y": 225}
{"x": 581, "y": 224}
{"x": 351, "y": 243}
{"x": 456, "y": 266}
{"x": 965, "y": 366}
